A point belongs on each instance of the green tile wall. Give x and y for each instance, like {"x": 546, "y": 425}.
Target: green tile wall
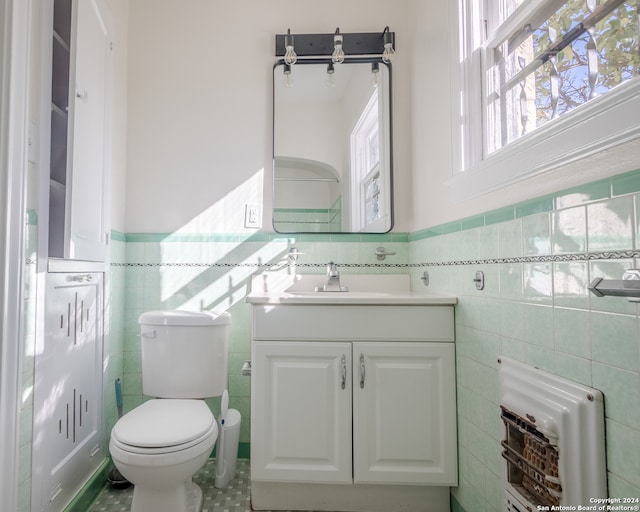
{"x": 535, "y": 308}
{"x": 116, "y": 309}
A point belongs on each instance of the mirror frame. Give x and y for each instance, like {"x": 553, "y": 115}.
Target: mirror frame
{"x": 326, "y": 60}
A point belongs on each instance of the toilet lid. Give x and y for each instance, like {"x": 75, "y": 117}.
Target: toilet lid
{"x": 164, "y": 422}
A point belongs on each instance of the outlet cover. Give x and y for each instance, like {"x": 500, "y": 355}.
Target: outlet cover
{"x": 252, "y": 216}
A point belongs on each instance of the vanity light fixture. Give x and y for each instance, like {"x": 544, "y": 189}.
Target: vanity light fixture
{"x": 288, "y": 78}
{"x": 387, "y": 39}
{"x": 331, "y": 78}
{"x": 290, "y": 56}
{"x": 337, "y": 56}
{"x": 336, "y": 46}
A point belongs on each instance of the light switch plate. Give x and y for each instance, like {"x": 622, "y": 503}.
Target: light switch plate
{"x": 252, "y": 216}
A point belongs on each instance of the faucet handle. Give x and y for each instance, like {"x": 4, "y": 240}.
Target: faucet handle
{"x": 332, "y": 268}
{"x": 333, "y": 280}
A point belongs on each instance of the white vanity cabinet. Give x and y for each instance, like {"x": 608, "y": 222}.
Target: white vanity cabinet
{"x": 348, "y": 398}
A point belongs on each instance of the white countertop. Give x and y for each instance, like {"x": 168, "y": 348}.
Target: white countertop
{"x": 335, "y": 298}
{"x": 363, "y": 289}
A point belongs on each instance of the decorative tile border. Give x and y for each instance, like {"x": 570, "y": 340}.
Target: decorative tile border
{"x": 547, "y": 258}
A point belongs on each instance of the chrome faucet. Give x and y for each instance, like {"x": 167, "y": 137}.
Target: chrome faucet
{"x": 333, "y": 280}
{"x": 333, "y": 275}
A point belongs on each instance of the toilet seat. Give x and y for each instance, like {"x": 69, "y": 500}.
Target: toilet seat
{"x": 164, "y": 426}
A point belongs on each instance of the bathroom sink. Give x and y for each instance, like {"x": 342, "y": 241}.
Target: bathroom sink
{"x": 363, "y": 289}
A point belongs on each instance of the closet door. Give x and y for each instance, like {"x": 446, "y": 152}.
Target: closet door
{"x": 79, "y": 138}
{"x": 91, "y": 48}
{"x": 68, "y": 431}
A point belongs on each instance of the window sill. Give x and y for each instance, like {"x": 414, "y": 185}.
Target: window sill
{"x": 580, "y": 141}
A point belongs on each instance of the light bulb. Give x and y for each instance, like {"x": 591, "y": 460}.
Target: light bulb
{"x": 388, "y": 52}
{"x": 290, "y": 56}
{"x": 338, "y": 52}
{"x": 387, "y": 39}
{"x": 288, "y": 77}
{"x": 330, "y": 82}
{"x": 375, "y": 74}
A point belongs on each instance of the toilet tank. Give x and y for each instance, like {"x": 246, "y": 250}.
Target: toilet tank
{"x": 184, "y": 353}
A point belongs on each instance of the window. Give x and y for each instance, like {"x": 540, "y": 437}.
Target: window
{"x": 365, "y": 157}
{"x": 544, "y": 82}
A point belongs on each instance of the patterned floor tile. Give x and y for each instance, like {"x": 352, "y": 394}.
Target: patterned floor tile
{"x": 235, "y": 498}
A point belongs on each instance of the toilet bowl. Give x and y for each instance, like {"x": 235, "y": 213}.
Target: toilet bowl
{"x": 159, "y": 446}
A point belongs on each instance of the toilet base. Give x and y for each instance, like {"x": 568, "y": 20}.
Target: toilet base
{"x": 196, "y": 498}
{"x": 184, "y": 498}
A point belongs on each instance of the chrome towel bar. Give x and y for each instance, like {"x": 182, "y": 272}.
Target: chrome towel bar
{"x": 628, "y": 286}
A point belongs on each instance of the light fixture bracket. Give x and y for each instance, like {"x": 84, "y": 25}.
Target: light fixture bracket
{"x": 354, "y": 44}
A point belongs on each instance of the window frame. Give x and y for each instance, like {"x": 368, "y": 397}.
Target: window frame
{"x": 365, "y": 170}
{"x": 604, "y": 123}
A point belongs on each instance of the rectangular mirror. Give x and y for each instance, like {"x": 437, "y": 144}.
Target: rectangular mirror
{"x": 332, "y": 150}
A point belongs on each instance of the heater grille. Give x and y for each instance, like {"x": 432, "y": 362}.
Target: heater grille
{"x": 532, "y": 460}
{"x": 553, "y": 440}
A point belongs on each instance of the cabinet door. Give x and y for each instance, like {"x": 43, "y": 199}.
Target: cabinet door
{"x": 301, "y": 412}
{"x": 87, "y": 226}
{"x": 404, "y": 413}
{"x": 68, "y": 431}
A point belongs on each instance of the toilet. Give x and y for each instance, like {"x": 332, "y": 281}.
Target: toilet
{"x": 161, "y": 444}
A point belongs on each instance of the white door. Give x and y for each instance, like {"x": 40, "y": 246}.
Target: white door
{"x": 91, "y": 48}
{"x": 68, "y": 432}
{"x": 404, "y": 413}
{"x": 301, "y": 412}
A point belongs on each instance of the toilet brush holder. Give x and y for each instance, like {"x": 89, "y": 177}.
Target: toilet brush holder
{"x": 227, "y": 452}
{"x": 115, "y": 478}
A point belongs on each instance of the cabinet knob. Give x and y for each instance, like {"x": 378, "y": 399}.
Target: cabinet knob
{"x": 362, "y": 371}
{"x": 81, "y": 94}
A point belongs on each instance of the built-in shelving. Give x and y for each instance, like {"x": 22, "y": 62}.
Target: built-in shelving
{"x": 61, "y": 59}
{"x": 79, "y": 48}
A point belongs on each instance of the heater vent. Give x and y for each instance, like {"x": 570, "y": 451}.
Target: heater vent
{"x": 553, "y": 439}
{"x": 532, "y": 460}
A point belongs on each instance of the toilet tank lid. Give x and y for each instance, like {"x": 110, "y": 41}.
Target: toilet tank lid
{"x": 180, "y": 317}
